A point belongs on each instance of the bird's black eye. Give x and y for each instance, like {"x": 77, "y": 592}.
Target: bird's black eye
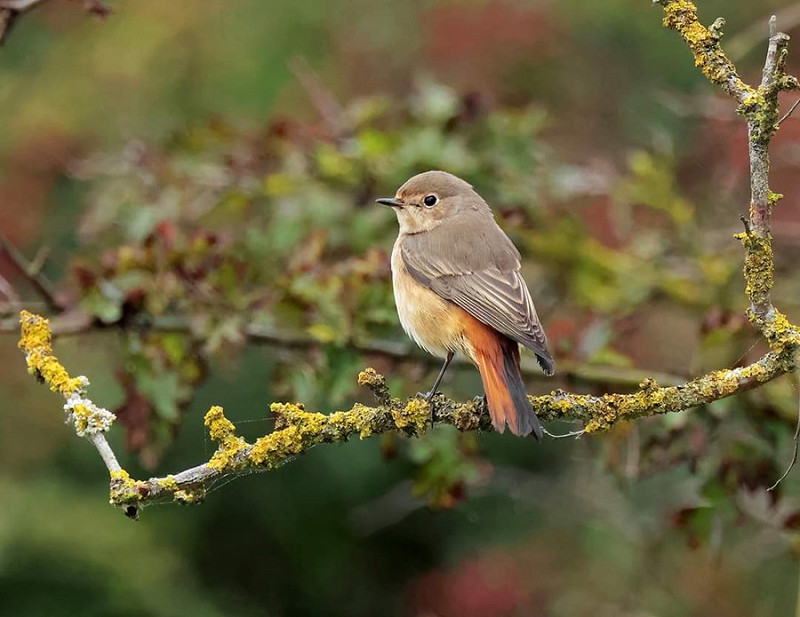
{"x": 430, "y": 201}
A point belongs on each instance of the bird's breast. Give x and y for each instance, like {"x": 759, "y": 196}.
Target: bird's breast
{"x": 435, "y": 324}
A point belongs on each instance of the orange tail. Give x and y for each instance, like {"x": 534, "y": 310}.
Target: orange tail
{"x": 497, "y": 358}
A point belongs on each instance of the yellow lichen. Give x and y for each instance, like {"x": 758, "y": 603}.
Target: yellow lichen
{"x": 35, "y": 341}
{"x": 188, "y": 497}
{"x": 681, "y": 16}
{"x": 168, "y": 484}
{"x": 370, "y": 377}
{"x": 773, "y": 198}
{"x": 222, "y": 431}
{"x": 82, "y": 417}
{"x": 414, "y": 417}
{"x": 124, "y": 490}
{"x": 270, "y": 450}
{"x": 758, "y": 267}
{"x": 219, "y": 427}
{"x": 361, "y": 417}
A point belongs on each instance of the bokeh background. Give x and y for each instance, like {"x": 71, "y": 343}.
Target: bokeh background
{"x": 193, "y": 169}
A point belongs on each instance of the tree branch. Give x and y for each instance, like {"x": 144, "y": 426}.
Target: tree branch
{"x": 75, "y": 322}
{"x": 297, "y": 430}
{"x": 32, "y": 272}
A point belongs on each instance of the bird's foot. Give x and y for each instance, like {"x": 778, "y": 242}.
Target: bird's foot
{"x": 428, "y": 396}
{"x": 481, "y": 401}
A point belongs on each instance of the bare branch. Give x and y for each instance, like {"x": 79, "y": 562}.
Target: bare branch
{"x": 75, "y": 322}
{"x": 328, "y": 107}
{"x": 743, "y": 42}
{"x": 788, "y": 113}
{"x": 796, "y": 440}
{"x": 31, "y": 272}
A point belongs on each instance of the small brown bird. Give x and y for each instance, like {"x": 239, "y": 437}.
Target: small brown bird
{"x": 458, "y": 287}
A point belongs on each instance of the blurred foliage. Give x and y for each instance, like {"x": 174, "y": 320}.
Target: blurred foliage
{"x": 581, "y": 124}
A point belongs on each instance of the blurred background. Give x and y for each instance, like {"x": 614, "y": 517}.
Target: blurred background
{"x": 184, "y": 171}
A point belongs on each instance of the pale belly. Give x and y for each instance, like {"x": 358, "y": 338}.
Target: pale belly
{"x": 434, "y": 323}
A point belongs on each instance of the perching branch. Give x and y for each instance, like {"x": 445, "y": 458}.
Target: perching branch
{"x": 297, "y": 430}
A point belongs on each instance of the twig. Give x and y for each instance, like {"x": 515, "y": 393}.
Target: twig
{"x": 7, "y": 289}
{"x": 760, "y": 107}
{"x": 746, "y": 224}
{"x": 740, "y": 44}
{"x": 796, "y": 440}
{"x": 75, "y": 323}
{"x": 326, "y": 104}
{"x": 32, "y": 272}
{"x": 788, "y": 113}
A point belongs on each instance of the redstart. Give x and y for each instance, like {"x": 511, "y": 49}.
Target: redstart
{"x": 458, "y": 288}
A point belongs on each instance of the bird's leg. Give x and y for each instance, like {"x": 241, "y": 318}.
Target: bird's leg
{"x": 429, "y": 395}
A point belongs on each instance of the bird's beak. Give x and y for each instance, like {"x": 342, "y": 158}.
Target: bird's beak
{"x": 390, "y": 201}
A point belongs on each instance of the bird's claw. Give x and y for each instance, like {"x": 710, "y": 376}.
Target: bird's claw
{"x": 427, "y": 396}
{"x": 480, "y": 400}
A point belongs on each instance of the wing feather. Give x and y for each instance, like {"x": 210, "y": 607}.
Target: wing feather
{"x": 496, "y": 296}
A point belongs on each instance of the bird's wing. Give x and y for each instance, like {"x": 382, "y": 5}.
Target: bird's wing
{"x": 495, "y": 296}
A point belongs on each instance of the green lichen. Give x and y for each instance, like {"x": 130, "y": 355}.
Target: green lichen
{"x": 773, "y": 198}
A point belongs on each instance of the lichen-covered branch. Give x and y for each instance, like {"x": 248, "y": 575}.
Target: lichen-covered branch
{"x": 297, "y": 429}
{"x": 87, "y": 419}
